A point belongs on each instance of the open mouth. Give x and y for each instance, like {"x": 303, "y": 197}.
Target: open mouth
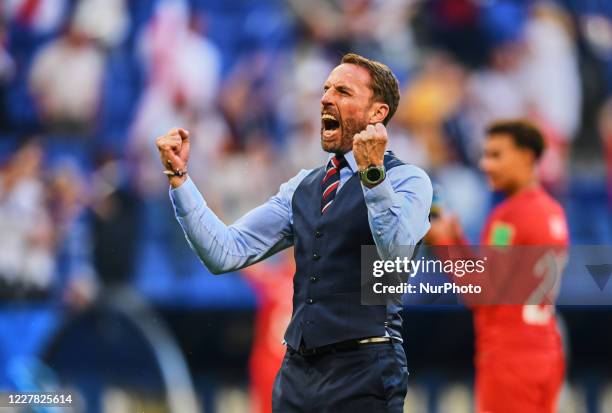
{"x": 329, "y": 122}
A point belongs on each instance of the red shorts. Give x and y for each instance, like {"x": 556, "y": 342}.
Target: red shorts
{"x": 528, "y": 385}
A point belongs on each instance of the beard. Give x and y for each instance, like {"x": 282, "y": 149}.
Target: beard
{"x": 348, "y": 128}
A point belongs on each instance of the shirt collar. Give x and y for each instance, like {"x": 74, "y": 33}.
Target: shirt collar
{"x": 350, "y": 160}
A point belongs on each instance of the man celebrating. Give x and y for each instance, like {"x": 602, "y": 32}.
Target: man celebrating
{"x": 341, "y": 356}
{"x": 519, "y": 356}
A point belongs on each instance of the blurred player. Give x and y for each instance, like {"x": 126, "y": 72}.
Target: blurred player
{"x": 272, "y": 282}
{"x": 519, "y": 355}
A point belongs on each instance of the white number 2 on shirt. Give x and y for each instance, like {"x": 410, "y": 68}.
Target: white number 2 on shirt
{"x": 549, "y": 267}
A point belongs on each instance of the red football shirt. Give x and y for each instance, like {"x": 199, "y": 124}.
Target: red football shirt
{"x": 528, "y": 218}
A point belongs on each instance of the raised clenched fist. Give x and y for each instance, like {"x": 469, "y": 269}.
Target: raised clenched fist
{"x": 173, "y": 150}
{"x": 369, "y": 146}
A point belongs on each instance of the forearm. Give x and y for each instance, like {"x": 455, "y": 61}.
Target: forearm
{"x": 211, "y": 240}
{"x": 223, "y": 248}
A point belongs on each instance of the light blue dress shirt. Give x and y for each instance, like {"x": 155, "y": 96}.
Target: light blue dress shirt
{"x": 398, "y": 211}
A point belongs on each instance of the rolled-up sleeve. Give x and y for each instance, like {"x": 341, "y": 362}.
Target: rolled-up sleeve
{"x": 398, "y": 209}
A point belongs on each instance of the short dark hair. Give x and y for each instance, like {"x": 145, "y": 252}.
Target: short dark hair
{"x": 384, "y": 84}
{"x": 524, "y": 134}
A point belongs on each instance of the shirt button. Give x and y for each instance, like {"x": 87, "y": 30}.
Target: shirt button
{"x": 310, "y": 301}
{"x": 314, "y": 278}
{"x": 318, "y": 234}
{"x": 379, "y": 233}
{"x": 308, "y": 322}
{"x": 315, "y": 256}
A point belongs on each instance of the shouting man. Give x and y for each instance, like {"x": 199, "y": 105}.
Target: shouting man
{"x": 341, "y": 356}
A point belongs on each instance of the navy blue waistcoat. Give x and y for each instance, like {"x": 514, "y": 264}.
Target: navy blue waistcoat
{"x": 327, "y": 297}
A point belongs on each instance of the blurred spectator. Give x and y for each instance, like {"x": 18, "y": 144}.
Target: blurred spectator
{"x": 605, "y": 132}
{"x": 7, "y": 73}
{"x": 180, "y": 62}
{"x": 597, "y": 31}
{"x": 248, "y": 179}
{"x": 183, "y": 70}
{"x": 66, "y": 80}
{"x": 452, "y": 25}
{"x": 552, "y": 79}
{"x": 105, "y": 21}
{"x": 33, "y": 279}
{"x": 324, "y": 20}
{"x": 40, "y": 16}
{"x": 183, "y": 73}
{"x": 26, "y": 246}
{"x": 532, "y": 72}
{"x": 356, "y": 25}
{"x": 552, "y": 86}
{"x": 247, "y": 98}
{"x": 116, "y": 209}
{"x": 45, "y": 245}
{"x": 299, "y": 109}
{"x": 430, "y": 101}
{"x": 68, "y": 208}
{"x": 495, "y": 91}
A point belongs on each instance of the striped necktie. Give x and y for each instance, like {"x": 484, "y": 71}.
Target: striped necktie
{"x": 331, "y": 180}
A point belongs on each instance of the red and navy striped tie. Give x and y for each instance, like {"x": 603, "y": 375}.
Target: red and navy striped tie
{"x": 331, "y": 180}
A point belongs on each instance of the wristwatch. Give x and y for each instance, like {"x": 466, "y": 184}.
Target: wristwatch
{"x": 372, "y": 175}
